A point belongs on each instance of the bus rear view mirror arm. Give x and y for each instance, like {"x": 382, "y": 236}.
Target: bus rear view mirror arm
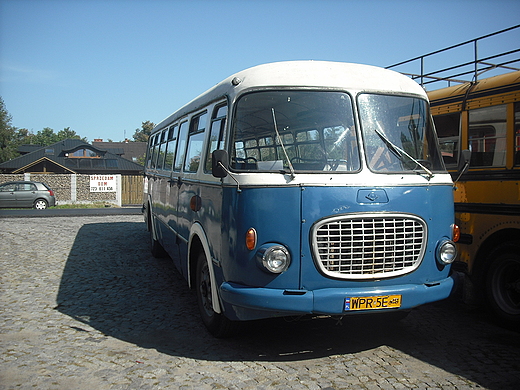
{"x": 464, "y": 163}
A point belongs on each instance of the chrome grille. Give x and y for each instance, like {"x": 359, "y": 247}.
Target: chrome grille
{"x": 369, "y": 246}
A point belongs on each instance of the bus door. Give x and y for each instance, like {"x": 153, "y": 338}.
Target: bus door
{"x": 191, "y": 140}
{"x": 156, "y": 176}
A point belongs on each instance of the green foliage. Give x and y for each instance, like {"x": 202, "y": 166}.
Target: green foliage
{"x": 47, "y": 136}
{"x": 11, "y": 138}
{"x": 142, "y": 134}
{"x": 7, "y": 134}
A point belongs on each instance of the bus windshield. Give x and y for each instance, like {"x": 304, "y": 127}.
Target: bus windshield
{"x": 398, "y": 134}
{"x": 296, "y": 131}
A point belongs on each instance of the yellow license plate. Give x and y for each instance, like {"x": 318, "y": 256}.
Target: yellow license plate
{"x": 373, "y": 303}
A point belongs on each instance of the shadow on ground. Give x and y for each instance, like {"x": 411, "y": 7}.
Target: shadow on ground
{"x": 112, "y": 283}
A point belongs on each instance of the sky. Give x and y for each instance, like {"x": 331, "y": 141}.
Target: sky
{"x": 102, "y": 67}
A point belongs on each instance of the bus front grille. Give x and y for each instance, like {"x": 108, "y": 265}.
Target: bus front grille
{"x": 369, "y": 246}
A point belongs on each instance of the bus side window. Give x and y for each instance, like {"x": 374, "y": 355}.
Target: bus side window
{"x": 170, "y": 147}
{"x": 447, "y": 127}
{"x": 487, "y": 136}
{"x": 155, "y": 150}
{"x": 181, "y": 146}
{"x": 150, "y": 152}
{"x": 216, "y": 137}
{"x": 195, "y": 142}
{"x": 162, "y": 150}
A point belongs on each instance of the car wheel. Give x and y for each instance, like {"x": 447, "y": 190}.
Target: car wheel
{"x": 40, "y": 204}
{"x": 503, "y": 282}
{"x": 217, "y": 324}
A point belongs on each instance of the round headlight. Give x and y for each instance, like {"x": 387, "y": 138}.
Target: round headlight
{"x": 446, "y": 252}
{"x": 275, "y": 258}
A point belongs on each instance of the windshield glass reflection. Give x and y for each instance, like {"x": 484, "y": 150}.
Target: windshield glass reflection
{"x": 293, "y": 131}
{"x": 398, "y": 135}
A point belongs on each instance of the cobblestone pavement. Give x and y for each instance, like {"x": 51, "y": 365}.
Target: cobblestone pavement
{"x": 83, "y": 305}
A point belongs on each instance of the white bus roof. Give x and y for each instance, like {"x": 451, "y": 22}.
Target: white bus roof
{"x": 304, "y": 74}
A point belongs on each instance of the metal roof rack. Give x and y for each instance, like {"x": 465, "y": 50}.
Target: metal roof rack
{"x": 469, "y": 71}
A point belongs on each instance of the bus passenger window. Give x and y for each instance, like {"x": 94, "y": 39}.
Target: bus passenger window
{"x": 156, "y": 143}
{"x": 267, "y": 149}
{"x": 162, "y": 150}
{"x": 195, "y": 142}
{"x": 487, "y": 136}
{"x": 309, "y": 150}
{"x": 181, "y": 146}
{"x": 150, "y": 152}
{"x": 170, "y": 147}
{"x": 447, "y": 127}
{"x": 218, "y": 124}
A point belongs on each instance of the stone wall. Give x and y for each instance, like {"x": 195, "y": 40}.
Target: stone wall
{"x": 70, "y": 188}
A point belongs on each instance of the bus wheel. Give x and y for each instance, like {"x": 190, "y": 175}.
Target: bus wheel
{"x": 217, "y": 324}
{"x": 503, "y": 282}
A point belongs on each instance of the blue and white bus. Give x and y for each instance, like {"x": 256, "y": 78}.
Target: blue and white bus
{"x": 303, "y": 188}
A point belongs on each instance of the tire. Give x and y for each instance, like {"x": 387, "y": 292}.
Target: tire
{"x": 216, "y": 323}
{"x": 503, "y": 282}
{"x": 40, "y": 204}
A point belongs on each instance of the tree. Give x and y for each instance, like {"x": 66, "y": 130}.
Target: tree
{"x": 47, "y": 136}
{"x": 67, "y": 133}
{"x": 142, "y": 134}
{"x": 11, "y": 138}
{"x": 7, "y": 132}
{"x": 21, "y": 137}
{"x": 44, "y": 137}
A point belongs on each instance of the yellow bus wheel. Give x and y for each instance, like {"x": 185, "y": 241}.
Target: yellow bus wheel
{"x": 503, "y": 282}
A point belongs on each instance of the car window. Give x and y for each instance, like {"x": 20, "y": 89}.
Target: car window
{"x": 7, "y": 187}
{"x": 26, "y": 187}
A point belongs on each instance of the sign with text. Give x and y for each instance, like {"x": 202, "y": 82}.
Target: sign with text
{"x": 102, "y": 183}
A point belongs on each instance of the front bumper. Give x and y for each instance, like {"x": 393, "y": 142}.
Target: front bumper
{"x": 248, "y": 302}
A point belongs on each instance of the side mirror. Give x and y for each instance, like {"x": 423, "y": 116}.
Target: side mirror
{"x": 219, "y": 163}
{"x": 464, "y": 161}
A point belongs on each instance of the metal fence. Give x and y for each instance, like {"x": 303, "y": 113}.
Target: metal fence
{"x": 496, "y": 51}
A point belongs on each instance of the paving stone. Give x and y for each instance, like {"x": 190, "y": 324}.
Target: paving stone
{"x": 83, "y": 305}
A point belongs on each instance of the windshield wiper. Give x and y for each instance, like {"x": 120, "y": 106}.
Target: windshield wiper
{"x": 283, "y": 146}
{"x": 400, "y": 152}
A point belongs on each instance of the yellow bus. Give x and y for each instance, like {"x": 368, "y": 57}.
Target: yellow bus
{"x": 484, "y": 117}
{"x": 477, "y": 120}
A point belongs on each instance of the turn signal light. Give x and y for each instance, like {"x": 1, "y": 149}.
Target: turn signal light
{"x": 195, "y": 203}
{"x": 456, "y": 233}
{"x": 251, "y": 239}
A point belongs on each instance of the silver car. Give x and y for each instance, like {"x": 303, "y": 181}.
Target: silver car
{"x": 34, "y": 194}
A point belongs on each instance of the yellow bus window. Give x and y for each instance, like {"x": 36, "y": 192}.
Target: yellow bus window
{"x": 487, "y": 136}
